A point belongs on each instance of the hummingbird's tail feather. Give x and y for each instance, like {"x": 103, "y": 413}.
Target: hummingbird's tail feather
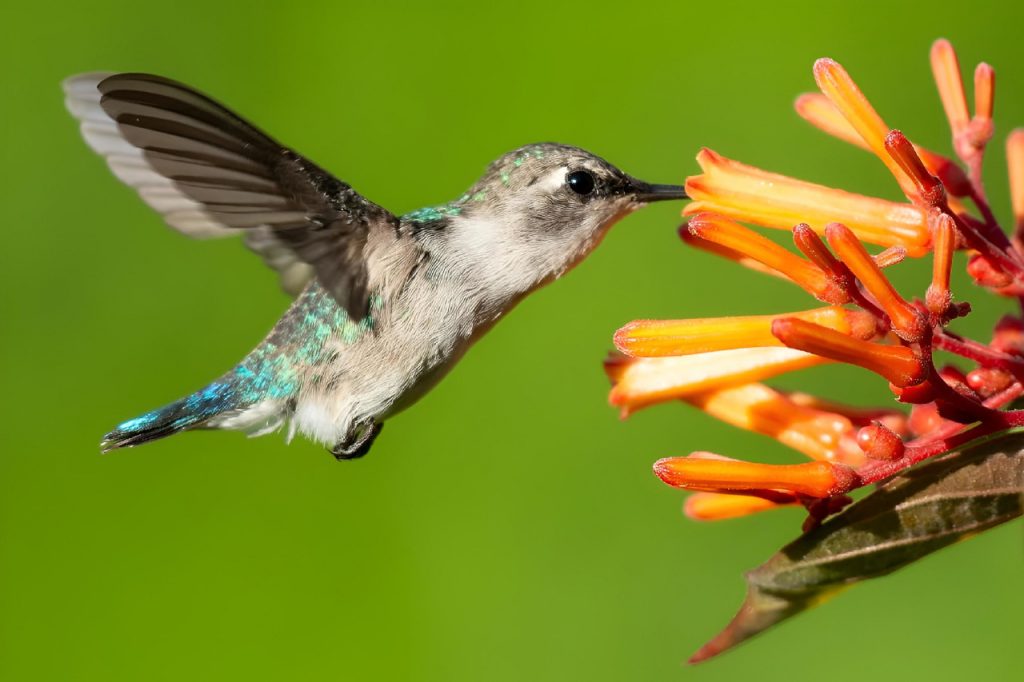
{"x": 219, "y": 405}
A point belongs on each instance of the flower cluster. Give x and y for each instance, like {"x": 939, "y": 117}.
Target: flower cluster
{"x": 718, "y": 364}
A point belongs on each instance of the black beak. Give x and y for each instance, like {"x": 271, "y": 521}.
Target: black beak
{"x": 646, "y": 193}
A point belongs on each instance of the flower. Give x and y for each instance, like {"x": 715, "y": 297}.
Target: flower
{"x": 718, "y": 364}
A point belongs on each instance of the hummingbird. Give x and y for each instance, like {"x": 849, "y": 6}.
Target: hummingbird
{"x": 385, "y": 305}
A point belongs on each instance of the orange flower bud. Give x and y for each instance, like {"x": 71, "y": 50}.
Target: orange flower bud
{"x": 946, "y": 69}
{"x": 907, "y": 321}
{"x": 814, "y": 479}
{"x": 938, "y": 297}
{"x": 929, "y": 188}
{"x": 878, "y": 442}
{"x": 897, "y": 364}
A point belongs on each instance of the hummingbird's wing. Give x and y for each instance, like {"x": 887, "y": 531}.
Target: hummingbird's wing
{"x": 210, "y": 173}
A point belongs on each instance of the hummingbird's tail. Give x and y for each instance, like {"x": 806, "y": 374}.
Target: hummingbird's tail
{"x": 222, "y": 404}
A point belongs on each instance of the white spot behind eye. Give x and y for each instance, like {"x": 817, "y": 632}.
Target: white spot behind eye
{"x": 554, "y": 179}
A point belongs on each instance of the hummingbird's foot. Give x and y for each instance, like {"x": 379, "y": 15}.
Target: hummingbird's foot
{"x": 358, "y": 441}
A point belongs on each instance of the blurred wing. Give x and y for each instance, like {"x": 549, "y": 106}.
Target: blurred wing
{"x": 210, "y": 173}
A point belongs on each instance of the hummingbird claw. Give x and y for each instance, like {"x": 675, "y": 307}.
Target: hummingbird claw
{"x": 358, "y": 441}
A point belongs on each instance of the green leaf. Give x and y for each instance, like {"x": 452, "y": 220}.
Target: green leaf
{"x": 929, "y": 507}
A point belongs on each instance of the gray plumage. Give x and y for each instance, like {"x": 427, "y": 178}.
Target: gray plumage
{"x": 386, "y": 305}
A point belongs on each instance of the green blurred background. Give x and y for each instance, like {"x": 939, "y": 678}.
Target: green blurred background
{"x": 508, "y": 527}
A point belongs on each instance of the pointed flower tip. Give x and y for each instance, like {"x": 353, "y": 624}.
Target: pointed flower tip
{"x": 814, "y": 479}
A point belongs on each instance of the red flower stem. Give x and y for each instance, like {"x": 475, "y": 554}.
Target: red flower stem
{"x": 876, "y": 471}
{"x": 1006, "y": 396}
{"x": 861, "y": 298}
{"x": 979, "y": 352}
{"x": 974, "y": 166}
{"x": 991, "y": 225}
{"x": 1013, "y": 418}
{"x": 947, "y": 438}
{"x": 1006, "y": 261}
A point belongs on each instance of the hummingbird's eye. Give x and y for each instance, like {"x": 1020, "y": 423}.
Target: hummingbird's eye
{"x": 581, "y": 182}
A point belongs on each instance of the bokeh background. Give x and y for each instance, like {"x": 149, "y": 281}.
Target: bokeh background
{"x": 509, "y": 527}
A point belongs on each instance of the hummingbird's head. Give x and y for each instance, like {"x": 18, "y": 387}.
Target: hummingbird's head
{"x": 539, "y": 209}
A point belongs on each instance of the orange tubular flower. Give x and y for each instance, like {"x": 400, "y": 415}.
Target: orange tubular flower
{"x": 640, "y": 382}
{"x": 817, "y": 433}
{"x": 938, "y": 297}
{"x": 1015, "y": 166}
{"x": 657, "y": 338}
{"x": 717, "y": 365}
{"x": 907, "y": 322}
{"x": 896, "y": 363}
{"x": 840, "y": 89}
{"x": 742, "y": 192}
{"x": 726, "y": 234}
{"x": 721, "y": 506}
{"x": 813, "y": 479}
{"x": 984, "y": 100}
{"x": 946, "y": 69}
{"x": 817, "y": 110}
